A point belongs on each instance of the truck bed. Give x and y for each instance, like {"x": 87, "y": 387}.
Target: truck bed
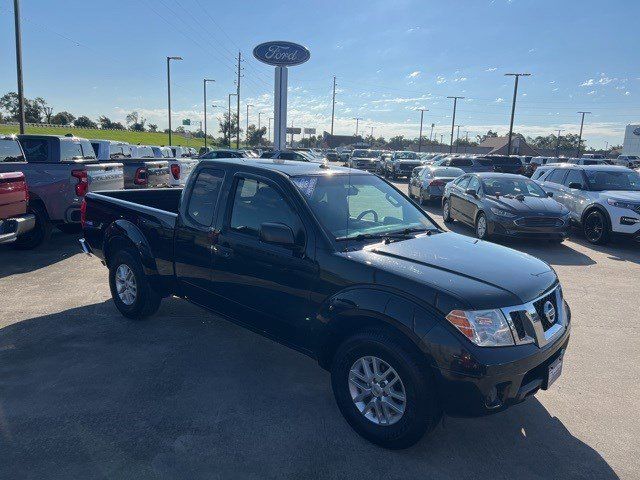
{"x": 165, "y": 199}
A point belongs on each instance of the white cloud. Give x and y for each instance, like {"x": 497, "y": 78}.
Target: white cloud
{"x": 588, "y": 83}
{"x": 604, "y": 80}
{"x": 440, "y": 80}
{"x": 491, "y": 69}
{"x": 499, "y": 100}
{"x": 627, "y": 93}
{"x": 414, "y": 74}
{"x": 592, "y": 92}
{"x": 413, "y": 29}
{"x": 399, "y": 100}
{"x": 460, "y": 79}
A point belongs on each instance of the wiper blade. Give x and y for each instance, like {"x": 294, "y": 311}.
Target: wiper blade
{"x": 400, "y": 234}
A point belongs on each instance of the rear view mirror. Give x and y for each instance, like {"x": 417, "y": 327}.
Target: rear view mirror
{"x": 277, "y": 234}
{"x": 471, "y": 191}
{"x": 549, "y": 194}
{"x": 575, "y": 185}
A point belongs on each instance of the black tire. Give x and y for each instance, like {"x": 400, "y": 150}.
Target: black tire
{"x": 147, "y": 300}
{"x": 482, "y": 235}
{"x": 596, "y": 228}
{"x": 41, "y": 231}
{"x": 70, "y": 228}
{"x": 446, "y": 211}
{"x": 422, "y": 411}
{"x": 421, "y": 199}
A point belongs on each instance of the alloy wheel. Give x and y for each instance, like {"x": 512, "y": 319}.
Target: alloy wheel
{"x": 126, "y": 284}
{"x": 481, "y": 228}
{"x": 594, "y": 227}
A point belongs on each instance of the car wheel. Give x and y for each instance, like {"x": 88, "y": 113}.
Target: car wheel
{"x": 422, "y": 199}
{"x": 596, "y": 228}
{"x": 384, "y": 390}
{"x": 482, "y": 229}
{"x": 130, "y": 288}
{"x": 446, "y": 212}
{"x": 41, "y": 231}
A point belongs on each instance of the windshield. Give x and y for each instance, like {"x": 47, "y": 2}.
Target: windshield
{"x": 512, "y": 187}
{"x": 352, "y": 205}
{"x": 613, "y": 180}
{"x": 406, "y": 155}
{"x": 364, "y": 154}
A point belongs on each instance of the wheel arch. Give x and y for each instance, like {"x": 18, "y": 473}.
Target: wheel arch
{"x": 591, "y": 208}
{"x": 124, "y": 234}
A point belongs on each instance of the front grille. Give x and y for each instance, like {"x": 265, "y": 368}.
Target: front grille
{"x": 539, "y": 306}
{"x": 518, "y": 318}
{"x": 539, "y": 222}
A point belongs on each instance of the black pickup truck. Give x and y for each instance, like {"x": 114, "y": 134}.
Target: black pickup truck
{"x": 337, "y": 263}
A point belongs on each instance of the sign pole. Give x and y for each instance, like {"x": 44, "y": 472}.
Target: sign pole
{"x": 280, "y": 109}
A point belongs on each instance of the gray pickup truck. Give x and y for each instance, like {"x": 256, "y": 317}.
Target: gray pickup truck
{"x": 59, "y": 172}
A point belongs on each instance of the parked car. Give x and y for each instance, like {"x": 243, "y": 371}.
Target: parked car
{"x": 142, "y": 151}
{"x": 15, "y": 222}
{"x": 110, "y": 150}
{"x": 505, "y": 205}
{"x": 505, "y": 164}
{"x": 629, "y": 161}
{"x": 332, "y": 156}
{"x": 180, "y": 168}
{"x": 602, "y": 199}
{"x": 401, "y": 164}
{"x": 467, "y": 164}
{"x": 222, "y": 153}
{"x": 180, "y": 152}
{"x": 161, "y": 152}
{"x": 142, "y": 170}
{"x": 534, "y": 162}
{"x": 427, "y": 183}
{"x": 368, "y": 160}
{"x": 298, "y": 156}
{"x": 59, "y": 171}
{"x": 588, "y": 161}
{"x": 340, "y": 265}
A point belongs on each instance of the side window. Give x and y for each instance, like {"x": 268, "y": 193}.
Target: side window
{"x": 474, "y": 183}
{"x": 575, "y": 176}
{"x": 460, "y": 162}
{"x": 556, "y": 176}
{"x": 70, "y": 151}
{"x": 255, "y": 203}
{"x": 10, "y": 151}
{"x": 462, "y": 182}
{"x": 204, "y": 196}
{"x": 36, "y": 150}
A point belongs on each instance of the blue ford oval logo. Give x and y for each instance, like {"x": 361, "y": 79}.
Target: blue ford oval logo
{"x": 281, "y": 54}
{"x": 636, "y": 131}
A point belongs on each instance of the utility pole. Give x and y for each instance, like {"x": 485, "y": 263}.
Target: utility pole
{"x": 558, "y": 143}
{"x": 246, "y": 134}
{"x": 333, "y": 104}
{"x": 458, "y": 138}
{"x": 466, "y": 135}
{"x": 580, "y": 136}
{"x": 453, "y": 121}
{"x": 357, "y": 119}
{"x": 229, "y": 129}
{"x": 238, "y": 100}
{"x": 205, "y": 108}
{"x": 513, "y": 105}
{"x": 269, "y": 135}
{"x": 371, "y": 131}
{"x": 422, "y": 110}
{"x": 259, "y": 115}
{"x": 431, "y": 134}
{"x": 169, "y": 91}
{"x": 16, "y": 14}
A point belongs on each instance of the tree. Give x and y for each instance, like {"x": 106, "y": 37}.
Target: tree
{"x": 85, "y": 122}
{"x": 106, "y": 124}
{"x": 489, "y": 134}
{"x": 136, "y": 121}
{"x": 255, "y": 136}
{"x": 62, "y": 118}
{"x": 397, "y": 142}
{"x": 153, "y": 127}
{"x": 224, "y": 127}
{"x": 34, "y": 110}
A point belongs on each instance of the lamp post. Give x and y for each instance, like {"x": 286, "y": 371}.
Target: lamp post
{"x": 204, "y": 82}
{"x": 513, "y": 105}
{"x": 229, "y": 119}
{"x": 580, "y": 136}
{"x": 269, "y": 134}
{"x": 558, "y": 142}
{"x": 246, "y": 133}
{"x": 422, "y": 110}
{"x": 453, "y": 121}
{"x": 357, "y": 119}
{"x": 259, "y": 115}
{"x": 169, "y": 91}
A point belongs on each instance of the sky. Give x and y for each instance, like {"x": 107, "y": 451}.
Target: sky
{"x": 391, "y": 58}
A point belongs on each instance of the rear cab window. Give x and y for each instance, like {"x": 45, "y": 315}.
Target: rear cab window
{"x": 10, "y": 150}
{"x": 36, "y": 149}
{"x": 204, "y": 195}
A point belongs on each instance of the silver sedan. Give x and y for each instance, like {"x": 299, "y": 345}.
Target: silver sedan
{"x": 428, "y": 182}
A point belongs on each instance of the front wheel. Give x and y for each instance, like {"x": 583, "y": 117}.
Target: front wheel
{"x": 482, "y": 229}
{"x": 446, "y": 212}
{"x": 384, "y": 390}
{"x": 130, "y": 289}
{"x": 596, "y": 228}
{"x": 41, "y": 232}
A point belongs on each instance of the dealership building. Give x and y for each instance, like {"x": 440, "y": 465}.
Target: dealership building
{"x": 631, "y": 145}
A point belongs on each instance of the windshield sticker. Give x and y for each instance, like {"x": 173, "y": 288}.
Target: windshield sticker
{"x": 306, "y": 185}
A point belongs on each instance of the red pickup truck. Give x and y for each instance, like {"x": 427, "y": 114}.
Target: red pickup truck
{"x": 15, "y": 222}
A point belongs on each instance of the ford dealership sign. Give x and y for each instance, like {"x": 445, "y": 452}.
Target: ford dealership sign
{"x": 281, "y": 54}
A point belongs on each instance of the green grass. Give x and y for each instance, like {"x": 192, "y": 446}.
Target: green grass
{"x": 145, "y": 138}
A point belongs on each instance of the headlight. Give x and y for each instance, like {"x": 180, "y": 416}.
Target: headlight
{"x": 502, "y": 213}
{"x": 485, "y": 328}
{"x": 619, "y": 204}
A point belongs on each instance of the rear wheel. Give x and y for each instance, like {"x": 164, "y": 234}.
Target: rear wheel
{"x": 446, "y": 212}
{"x": 130, "y": 288}
{"x": 41, "y": 231}
{"x": 384, "y": 389}
{"x": 596, "y": 228}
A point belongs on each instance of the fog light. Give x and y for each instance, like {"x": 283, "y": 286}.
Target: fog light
{"x": 629, "y": 220}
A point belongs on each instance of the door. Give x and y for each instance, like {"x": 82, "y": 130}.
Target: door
{"x": 468, "y": 202}
{"x": 414, "y": 183}
{"x": 553, "y": 183}
{"x": 264, "y": 286}
{"x": 456, "y": 197}
{"x": 573, "y": 196}
{"x": 195, "y": 236}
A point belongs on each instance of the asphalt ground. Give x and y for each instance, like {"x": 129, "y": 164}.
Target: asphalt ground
{"x": 85, "y": 393}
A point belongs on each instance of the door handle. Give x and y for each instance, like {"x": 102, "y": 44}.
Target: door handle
{"x": 220, "y": 251}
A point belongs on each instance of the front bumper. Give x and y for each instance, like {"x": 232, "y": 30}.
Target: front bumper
{"x": 12, "y": 228}
{"x": 517, "y": 228}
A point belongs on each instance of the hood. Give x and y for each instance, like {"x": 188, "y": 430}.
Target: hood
{"x": 624, "y": 195}
{"x": 409, "y": 160}
{"x": 546, "y": 205}
{"x": 482, "y": 274}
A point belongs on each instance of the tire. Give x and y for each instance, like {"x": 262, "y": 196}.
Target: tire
{"x": 145, "y": 300}
{"x": 482, "y": 233}
{"x": 446, "y": 212}
{"x": 41, "y": 231}
{"x": 70, "y": 228}
{"x": 421, "y": 199}
{"x": 596, "y": 228}
{"x": 421, "y": 411}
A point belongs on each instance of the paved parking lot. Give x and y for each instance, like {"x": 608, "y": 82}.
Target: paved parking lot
{"x": 85, "y": 393}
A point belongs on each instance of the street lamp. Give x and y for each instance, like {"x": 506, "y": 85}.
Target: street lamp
{"x": 513, "y": 106}
{"x": 422, "y": 110}
{"x": 357, "y": 119}
{"x": 558, "y": 142}
{"x": 259, "y": 115}
{"x": 229, "y": 119}
{"x": 269, "y": 135}
{"x": 246, "y": 134}
{"x": 453, "y": 121}
{"x": 580, "y": 136}
{"x": 205, "y": 108}
{"x": 169, "y": 91}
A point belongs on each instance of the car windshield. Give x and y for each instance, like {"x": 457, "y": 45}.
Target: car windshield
{"x": 364, "y": 154}
{"x": 512, "y": 187}
{"x": 360, "y": 206}
{"x": 600, "y": 180}
{"x": 406, "y": 155}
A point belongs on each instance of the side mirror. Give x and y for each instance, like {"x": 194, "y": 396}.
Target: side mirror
{"x": 549, "y": 194}
{"x": 471, "y": 191}
{"x": 277, "y": 234}
{"x": 575, "y": 185}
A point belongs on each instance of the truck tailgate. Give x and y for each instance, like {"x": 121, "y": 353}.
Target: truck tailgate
{"x": 13, "y": 194}
{"x": 185, "y": 167}
{"x": 158, "y": 173}
{"x": 105, "y": 176}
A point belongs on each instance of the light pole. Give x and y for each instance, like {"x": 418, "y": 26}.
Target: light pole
{"x": 204, "y": 82}
{"x": 169, "y": 91}
{"x": 580, "y": 136}
{"x": 453, "y": 121}
{"x": 513, "y": 106}
{"x": 230, "y": 95}
{"x": 16, "y": 14}
{"x": 246, "y": 134}
{"x": 357, "y": 119}
{"x": 269, "y": 134}
{"x": 259, "y": 115}
{"x": 431, "y": 134}
{"x": 558, "y": 143}
{"x": 458, "y": 138}
{"x": 422, "y": 110}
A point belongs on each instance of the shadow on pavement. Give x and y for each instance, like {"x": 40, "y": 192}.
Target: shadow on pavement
{"x": 60, "y": 247}
{"x": 85, "y": 393}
